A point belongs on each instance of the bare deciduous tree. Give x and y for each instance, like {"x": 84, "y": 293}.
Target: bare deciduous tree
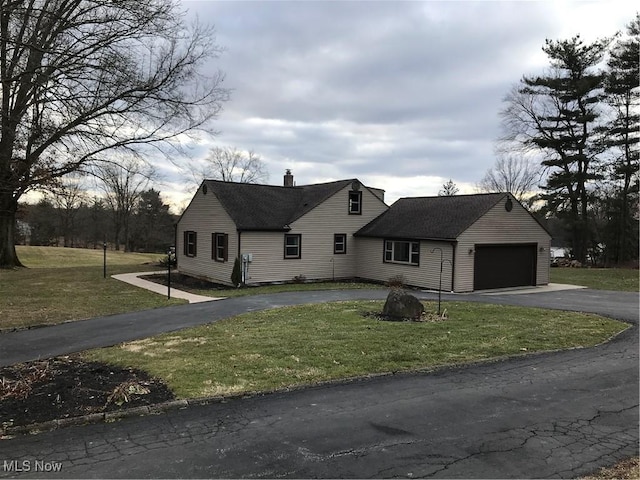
{"x": 230, "y": 164}
{"x": 516, "y": 175}
{"x": 123, "y": 183}
{"x": 80, "y": 77}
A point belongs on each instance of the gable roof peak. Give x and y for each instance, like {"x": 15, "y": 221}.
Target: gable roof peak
{"x": 255, "y": 206}
{"x": 439, "y": 217}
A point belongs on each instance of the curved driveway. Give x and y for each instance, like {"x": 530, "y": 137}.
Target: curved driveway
{"x": 552, "y": 415}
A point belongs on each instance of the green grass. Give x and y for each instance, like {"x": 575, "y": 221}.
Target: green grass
{"x": 279, "y": 348}
{"x": 63, "y": 284}
{"x": 618, "y": 279}
{"x": 59, "y": 257}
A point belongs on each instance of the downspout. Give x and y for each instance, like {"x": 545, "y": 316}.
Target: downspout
{"x": 240, "y": 257}
{"x": 454, "y": 246}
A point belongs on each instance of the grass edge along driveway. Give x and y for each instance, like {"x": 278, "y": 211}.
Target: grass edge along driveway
{"x": 309, "y": 344}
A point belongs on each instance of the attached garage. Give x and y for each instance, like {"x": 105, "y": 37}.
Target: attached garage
{"x": 501, "y": 266}
{"x": 478, "y": 242}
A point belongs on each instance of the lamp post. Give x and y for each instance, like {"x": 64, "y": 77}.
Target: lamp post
{"x": 440, "y": 285}
{"x": 104, "y": 259}
{"x": 169, "y": 273}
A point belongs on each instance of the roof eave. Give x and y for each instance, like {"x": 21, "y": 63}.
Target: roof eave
{"x": 263, "y": 229}
{"x": 403, "y": 237}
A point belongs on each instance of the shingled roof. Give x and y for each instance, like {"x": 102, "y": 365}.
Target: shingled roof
{"x": 430, "y": 218}
{"x": 268, "y": 207}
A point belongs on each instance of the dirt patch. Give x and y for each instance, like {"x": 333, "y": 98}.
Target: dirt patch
{"x": 64, "y": 387}
{"x": 627, "y": 469}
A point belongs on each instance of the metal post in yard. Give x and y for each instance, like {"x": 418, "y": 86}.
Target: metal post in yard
{"x": 440, "y": 286}
{"x": 169, "y": 274}
{"x": 104, "y": 261}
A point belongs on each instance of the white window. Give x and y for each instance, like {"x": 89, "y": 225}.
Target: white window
{"x": 292, "y": 246}
{"x": 355, "y": 203}
{"x": 402, "y": 251}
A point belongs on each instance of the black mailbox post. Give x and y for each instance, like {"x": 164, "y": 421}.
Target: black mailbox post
{"x": 169, "y": 261}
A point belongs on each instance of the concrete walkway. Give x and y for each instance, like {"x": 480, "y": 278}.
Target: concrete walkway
{"x": 134, "y": 279}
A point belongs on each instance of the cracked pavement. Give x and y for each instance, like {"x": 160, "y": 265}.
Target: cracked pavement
{"x": 553, "y": 415}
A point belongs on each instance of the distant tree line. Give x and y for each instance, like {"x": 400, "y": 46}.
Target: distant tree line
{"x": 575, "y": 131}
{"x": 69, "y": 218}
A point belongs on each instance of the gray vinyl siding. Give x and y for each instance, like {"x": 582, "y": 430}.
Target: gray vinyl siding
{"x": 371, "y": 265}
{"x": 205, "y": 215}
{"x": 498, "y": 226}
{"x": 317, "y": 229}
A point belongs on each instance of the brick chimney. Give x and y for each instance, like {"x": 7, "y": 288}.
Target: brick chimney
{"x": 288, "y": 179}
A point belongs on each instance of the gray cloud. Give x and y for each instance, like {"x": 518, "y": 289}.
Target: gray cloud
{"x": 380, "y": 89}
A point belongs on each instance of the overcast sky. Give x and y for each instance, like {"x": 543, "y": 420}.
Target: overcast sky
{"x": 401, "y": 95}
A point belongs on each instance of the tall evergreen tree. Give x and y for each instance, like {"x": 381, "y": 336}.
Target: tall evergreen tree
{"x": 448, "y": 189}
{"x": 621, "y": 138}
{"x": 556, "y": 115}
{"x": 95, "y": 217}
{"x": 153, "y": 229}
{"x": 43, "y": 222}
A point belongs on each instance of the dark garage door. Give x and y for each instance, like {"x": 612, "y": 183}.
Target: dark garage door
{"x": 500, "y": 266}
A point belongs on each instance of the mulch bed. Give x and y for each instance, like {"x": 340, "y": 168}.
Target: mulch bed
{"x": 179, "y": 280}
{"x": 68, "y": 386}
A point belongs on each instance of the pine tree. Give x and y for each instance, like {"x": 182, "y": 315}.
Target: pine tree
{"x": 236, "y": 273}
{"x": 449, "y": 189}
{"x": 621, "y": 138}
{"x": 556, "y": 115}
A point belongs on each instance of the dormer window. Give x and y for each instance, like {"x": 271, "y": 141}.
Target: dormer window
{"x": 355, "y": 203}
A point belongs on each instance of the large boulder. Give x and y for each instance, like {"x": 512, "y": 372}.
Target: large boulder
{"x": 401, "y": 305}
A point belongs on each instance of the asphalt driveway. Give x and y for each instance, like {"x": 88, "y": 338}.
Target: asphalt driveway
{"x": 555, "y": 415}
{"x": 26, "y": 345}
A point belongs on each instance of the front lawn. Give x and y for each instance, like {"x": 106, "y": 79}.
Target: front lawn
{"x": 618, "y": 279}
{"x": 302, "y": 345}
{"x": 61, "y": 257}
{"x": 63, "y": 284}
